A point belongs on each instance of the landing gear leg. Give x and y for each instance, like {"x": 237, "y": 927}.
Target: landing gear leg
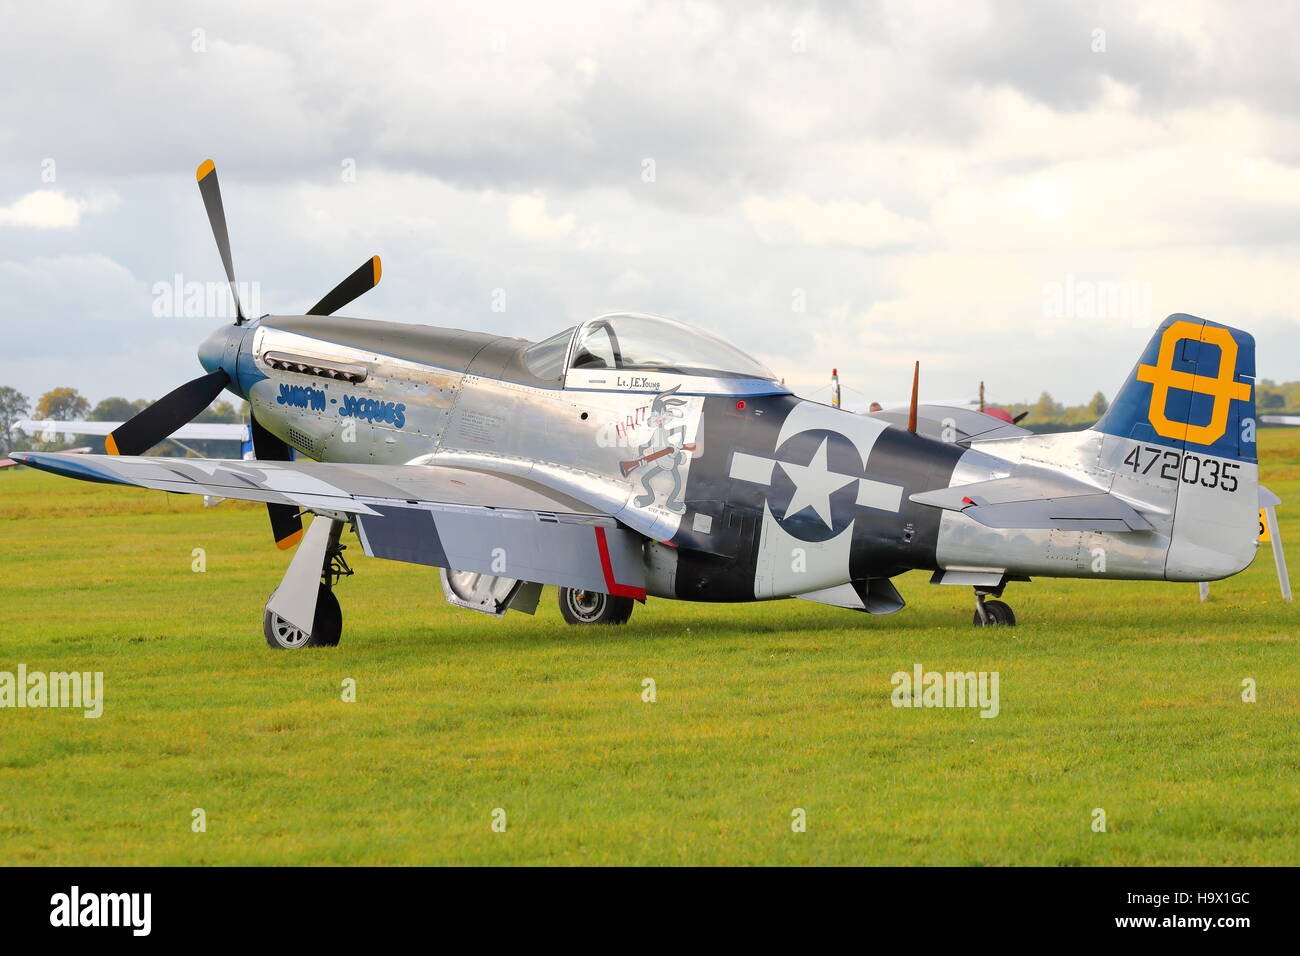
{"x": 992, "y": 613}
{"x": 303, "y": 611}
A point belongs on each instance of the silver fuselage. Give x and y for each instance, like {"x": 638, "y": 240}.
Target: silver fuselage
{"x": 349, "y": 390}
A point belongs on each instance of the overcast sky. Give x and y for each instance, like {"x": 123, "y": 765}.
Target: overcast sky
{"x": 1015, "y": 192}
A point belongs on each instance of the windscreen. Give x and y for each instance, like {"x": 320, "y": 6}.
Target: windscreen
{"x": 651, "y": 343}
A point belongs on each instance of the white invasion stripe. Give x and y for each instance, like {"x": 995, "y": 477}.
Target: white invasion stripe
{"x": 344, "y": 502}
{"x": 877, "y": 494}
{"x": 752, "y": 468}
{"x": 289, "y": 481}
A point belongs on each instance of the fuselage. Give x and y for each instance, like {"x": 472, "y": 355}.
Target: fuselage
{"x": 743, "y": 490}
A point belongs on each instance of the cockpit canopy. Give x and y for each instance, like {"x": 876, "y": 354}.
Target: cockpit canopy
{"x": 641, "y": 343}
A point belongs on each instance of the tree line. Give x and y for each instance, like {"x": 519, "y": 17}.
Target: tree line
{"x": 67, "y": 404}
{"x": 1048, "y": 415}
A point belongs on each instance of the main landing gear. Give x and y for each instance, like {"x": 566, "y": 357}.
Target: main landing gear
{"x": 306, "y": 593}
{"x": 992, "y": 613}
{"x": 594, "y": 607}
{"x": 326, "y": 628}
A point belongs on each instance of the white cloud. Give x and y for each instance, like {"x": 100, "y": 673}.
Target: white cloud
{"x": 837, "y": 222}
{"x": 528, "y": 219}
{"x": 52, "y": 209}
{"x": 915, "y": 175}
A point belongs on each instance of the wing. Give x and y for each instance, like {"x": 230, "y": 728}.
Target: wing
{"x": 199, "y": 431}
{"x": 455, "y": 518}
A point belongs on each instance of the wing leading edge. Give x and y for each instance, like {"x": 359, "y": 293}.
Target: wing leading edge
{"x": 455, "y": 518}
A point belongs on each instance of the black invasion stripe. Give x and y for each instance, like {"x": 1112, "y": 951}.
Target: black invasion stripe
{"x": 720, "y": 566}
{"x": 884, "y": 543}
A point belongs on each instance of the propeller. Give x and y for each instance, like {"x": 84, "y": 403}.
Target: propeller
{"x": 286, "y": 525}
{"x": 157, "y": 422}
{"x": 164, "y": 416}
{"x": 365, "y": 278}
{"x": 210, "y": 189}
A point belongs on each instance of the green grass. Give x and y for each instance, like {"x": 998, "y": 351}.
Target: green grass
{"x": 1114, "y": 695}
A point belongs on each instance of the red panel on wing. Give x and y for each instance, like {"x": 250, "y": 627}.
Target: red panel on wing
{"x": 607, "y": 568}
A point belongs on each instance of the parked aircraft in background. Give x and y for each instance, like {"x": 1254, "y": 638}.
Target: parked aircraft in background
{"x": 48, "y": 429}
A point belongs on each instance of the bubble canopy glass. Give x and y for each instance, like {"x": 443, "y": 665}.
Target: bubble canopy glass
{"x": 647, "y": 343}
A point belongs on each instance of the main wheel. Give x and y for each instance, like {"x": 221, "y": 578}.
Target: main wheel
{"x": 326, "y": 629}
{"x": 999, "y": 614}
{"x": 594, "y": 607}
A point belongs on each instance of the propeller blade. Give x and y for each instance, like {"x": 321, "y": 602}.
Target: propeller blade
{"x": 286, "y": 525}
{"x": 363, "y": 280}
{"x": 211, "y": 191}
{"x": 164, "y": 416}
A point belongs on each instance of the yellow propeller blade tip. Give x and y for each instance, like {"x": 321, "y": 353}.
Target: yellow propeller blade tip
{"x": 284, "y": 544}
{"x": 205, "y": 167}
{"x": 378, "y": 269}
{"x": 110, "y": 446}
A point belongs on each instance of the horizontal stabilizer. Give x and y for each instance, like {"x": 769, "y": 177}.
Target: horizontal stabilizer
{"x": 954, "y": 425}
{"x": 1041, "y": 501}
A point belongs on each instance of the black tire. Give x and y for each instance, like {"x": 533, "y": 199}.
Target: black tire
{"x": 594, "y": 607}
{"x": 1000, "y": 615}
{"x": 325, "y": 631}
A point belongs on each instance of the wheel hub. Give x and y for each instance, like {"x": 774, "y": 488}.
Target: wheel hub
{"x": 586, "y": 604}
{"x": 286, "y": 633}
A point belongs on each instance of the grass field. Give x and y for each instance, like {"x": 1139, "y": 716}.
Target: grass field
{"x": 1125, "y": 697}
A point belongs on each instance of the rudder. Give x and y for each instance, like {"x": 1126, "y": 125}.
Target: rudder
{"x": 1193, "y": 390}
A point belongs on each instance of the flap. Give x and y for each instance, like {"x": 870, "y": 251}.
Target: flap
{"x": 525, "y": 546}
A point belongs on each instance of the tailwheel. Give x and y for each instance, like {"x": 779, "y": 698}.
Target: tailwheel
{"x": 326, "y": 629}
{"x": 594, "y": 607}
{"x": 993, "y": 613}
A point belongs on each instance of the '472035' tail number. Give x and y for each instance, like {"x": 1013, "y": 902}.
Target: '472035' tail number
{"x": 1182, "y": 466}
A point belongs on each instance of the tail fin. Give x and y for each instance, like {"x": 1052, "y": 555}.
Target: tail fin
{"x": 1193, "y": 391}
